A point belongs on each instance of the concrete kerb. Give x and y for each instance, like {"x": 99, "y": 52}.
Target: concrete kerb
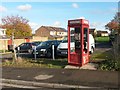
{"x": 39, "y": 84}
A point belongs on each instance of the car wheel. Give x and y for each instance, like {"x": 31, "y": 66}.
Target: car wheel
{"x": 92, "y": 50}
{"x": 49, "y": 54}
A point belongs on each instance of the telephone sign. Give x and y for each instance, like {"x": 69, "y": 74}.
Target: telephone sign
{"x": 75, "y": 22}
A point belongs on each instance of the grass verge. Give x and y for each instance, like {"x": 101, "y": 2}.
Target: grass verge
{"x": 106, "y": 61}
{"x": 99, "y": 55}
{"x": 4, "y": 51}
{"x": 41, "y": 62}
{"x": 102, "y": 39}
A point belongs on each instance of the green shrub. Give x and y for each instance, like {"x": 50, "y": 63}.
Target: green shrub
{"x": 110, "y": 65}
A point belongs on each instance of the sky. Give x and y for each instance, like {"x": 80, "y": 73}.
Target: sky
{"x": 57, "y": 14}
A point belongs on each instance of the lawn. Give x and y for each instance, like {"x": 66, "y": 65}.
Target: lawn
{"x": 102, "y": 39}
{"x": 40, "y": 62}
{"x": 4, "y": 51}
{"x": 101, "y": 55}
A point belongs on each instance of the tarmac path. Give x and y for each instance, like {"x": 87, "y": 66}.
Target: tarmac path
{"x": 86, "y": 78}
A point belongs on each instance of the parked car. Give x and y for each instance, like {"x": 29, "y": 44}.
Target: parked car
{"x": 62, "y": 49}
{"x": 37, "y": 42}
{"x": 59, "y": 41}
{"x": 26, "y": 47}
{"x": 45, "y": 48}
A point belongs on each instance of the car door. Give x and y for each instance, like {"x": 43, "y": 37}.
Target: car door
{"x": 25, "y": 47}
{"x": 28, "y": 46}
{"x": 22, "y": 46}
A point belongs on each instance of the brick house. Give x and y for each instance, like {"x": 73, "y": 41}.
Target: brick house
{"x": 3, "y": 39}
{"x": 51, "y": 32}
{"x": 102, "y": 33}
{"x": 93, "y": 31}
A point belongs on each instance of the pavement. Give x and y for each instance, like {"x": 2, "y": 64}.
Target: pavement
{"x": 62, "y": 78}
{"x": 88, "y": 66}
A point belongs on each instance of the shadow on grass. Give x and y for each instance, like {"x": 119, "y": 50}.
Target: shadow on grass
{"x": 39, "y": 62}
{"x": 101, "y": 55}
{"x": 51, "y": 63}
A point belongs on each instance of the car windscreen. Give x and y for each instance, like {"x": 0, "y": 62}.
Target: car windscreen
{"x": 65, "y": 40}
{"x": 36, "y": 43}
{"x": 44, "y": 44}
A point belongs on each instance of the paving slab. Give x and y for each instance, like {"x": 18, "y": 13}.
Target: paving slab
{"x": 89, "y": 66}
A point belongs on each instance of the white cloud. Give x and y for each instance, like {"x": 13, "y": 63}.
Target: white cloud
{"x": 3, "y": 9}
{"x": 34, "y": 26}
{"x": 25, "y": 7}
{"x": 57, "y": 24}
{"x": 75, "y": 5}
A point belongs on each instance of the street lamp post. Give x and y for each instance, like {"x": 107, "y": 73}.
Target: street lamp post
{"x": 14, "y": 51}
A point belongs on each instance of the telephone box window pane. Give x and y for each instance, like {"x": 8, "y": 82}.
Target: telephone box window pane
{"x": 85, "y": 34}
{"x": 72, "y": 44}
{"x": 75, "y": 38}
{"x": 85, "y": 40}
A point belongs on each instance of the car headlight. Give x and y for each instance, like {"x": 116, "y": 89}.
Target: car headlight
{"x": 43, "y": 50}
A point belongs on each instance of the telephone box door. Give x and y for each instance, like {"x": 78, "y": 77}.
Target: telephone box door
{"x": 85, "y": 49}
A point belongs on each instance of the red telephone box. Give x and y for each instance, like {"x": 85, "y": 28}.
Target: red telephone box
{"x": 78, "y": 42}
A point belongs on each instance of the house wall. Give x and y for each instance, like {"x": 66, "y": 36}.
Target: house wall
{"x": 37, "y": 38}
{"x": 2, "y": 31}
{"x": 42, "y": 32}
{"x": 19, "y": 41}
{"x": 104, "y": 34}
{"x": 3, "y": 44}
{"x": 93, "y": 32}
{"x": 60, "y": 38}
{"x": 51, "y": 33}
{"x": 61, "y": 33}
